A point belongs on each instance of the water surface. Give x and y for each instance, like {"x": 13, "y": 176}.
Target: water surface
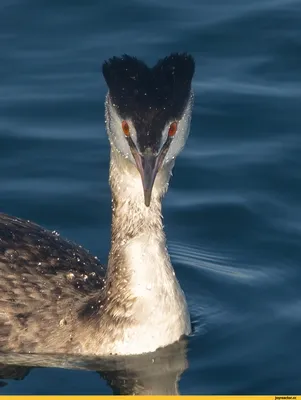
{"x": 232, "y": 213}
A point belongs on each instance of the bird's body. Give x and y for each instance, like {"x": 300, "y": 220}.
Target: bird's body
{"x": 57, "y": 298}
{"x": 44, "y": 282}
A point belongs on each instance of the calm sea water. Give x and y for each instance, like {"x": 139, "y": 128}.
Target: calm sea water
{"x": 232, "y": 214}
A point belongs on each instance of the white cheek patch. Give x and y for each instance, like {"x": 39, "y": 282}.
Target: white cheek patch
{"x": 115, "y": 132}
{"x": 182, "y": 133}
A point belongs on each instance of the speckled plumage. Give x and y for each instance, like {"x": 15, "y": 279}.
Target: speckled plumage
{"x": 45, "y": 282}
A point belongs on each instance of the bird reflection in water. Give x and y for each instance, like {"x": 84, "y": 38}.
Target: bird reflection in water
{"x": 149, "y": 374}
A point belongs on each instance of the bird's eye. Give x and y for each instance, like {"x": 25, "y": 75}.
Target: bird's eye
{"x": 125, "y": 128}
{"x": 172, "y": 129}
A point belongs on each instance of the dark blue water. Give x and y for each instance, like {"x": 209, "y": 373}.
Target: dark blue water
{"x": 232, "y": 214}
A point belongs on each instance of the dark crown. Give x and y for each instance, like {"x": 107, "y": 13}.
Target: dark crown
{"x": 150, "y": 97}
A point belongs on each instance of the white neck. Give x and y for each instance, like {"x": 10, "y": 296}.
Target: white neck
{"x": 139, "y": 267}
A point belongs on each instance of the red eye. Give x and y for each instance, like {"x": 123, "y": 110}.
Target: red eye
{"x": 172, "y": 129}
{"x": 125, "y": 128}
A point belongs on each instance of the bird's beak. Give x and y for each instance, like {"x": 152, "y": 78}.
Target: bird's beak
{"x": 148, "y": 165}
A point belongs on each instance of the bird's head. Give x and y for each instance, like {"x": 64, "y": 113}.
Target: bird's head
{"x": 149, "y": 111}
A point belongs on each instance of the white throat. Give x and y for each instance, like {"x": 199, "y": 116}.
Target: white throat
{"x": 139, "y": 263}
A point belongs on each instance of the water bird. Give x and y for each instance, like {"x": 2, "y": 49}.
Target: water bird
{"x": 55, "y": 296}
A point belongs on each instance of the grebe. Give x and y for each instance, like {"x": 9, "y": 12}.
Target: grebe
{"x": 55, "y": 296}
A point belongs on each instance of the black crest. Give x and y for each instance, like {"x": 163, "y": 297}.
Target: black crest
{"x": 150, "y": 97}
